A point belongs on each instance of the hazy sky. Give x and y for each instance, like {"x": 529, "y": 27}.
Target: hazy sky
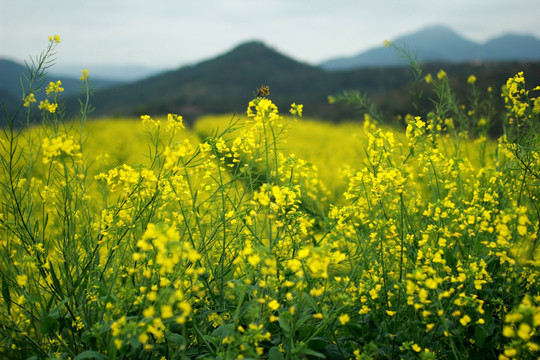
{"x": 171, "y": 33}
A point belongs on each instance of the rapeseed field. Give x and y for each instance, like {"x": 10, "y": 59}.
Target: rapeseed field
{"x": 267, "y": 236}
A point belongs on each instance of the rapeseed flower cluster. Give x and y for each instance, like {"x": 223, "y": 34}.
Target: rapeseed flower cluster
{"x": 46, "y": 105}
{"x": 84, "y": 74}
{"x": 55, "y": 147}
{"x": 54, "y": 87}
{"x": 55, "y": 39}
{"x": 30, "y": 98}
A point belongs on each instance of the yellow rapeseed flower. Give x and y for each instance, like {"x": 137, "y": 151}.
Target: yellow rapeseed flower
{"x": 143, "y": 338}
{"x": 147, "y": 121}
{"x": 54, "y": 38}
{"x": 466, "y": 319}
{"x": 441, "y": 75}
{"x": 254, "y": 259}
{"x": 30, "y": 98}
{"x": 344, "y": 319}
{"x": 116, "y": 326}
{"x": 431, "y": 283}
{"x": 60, "y": 145}
{"x": 524, "y": 331}
{"x": 152, "y": 296}
{"x": 149, "y": 312}
{"x": 510, "y": 352}
{"x": 22, "y": 280}
{"x": 174, "y": 122}
{"x": 273, "y": 305}
{"x": 303, "y": 253}
{"x": 296, "y": 109}
{"x": 166, "y": 311}
{"x": 118, "y": 343}
{"x": 46, "y": 105}
{"x": 54, "y": 87}
{"x": 84, "y": 74}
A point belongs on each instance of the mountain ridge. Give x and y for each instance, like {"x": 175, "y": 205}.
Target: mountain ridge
{"x": 227, "y": 82}
{"x": 210, "y": 84}
{"x": 441, "y": 43}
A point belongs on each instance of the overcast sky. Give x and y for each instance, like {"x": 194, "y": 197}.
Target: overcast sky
{"x": 171, "y": 33}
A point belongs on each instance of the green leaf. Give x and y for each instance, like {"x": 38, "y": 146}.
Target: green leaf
{"x": 311, "y": 302}
{"x": 318, "y": 343}
{"x": 212, "y": 339}
{"x": 480, "y": 336}
{"x": 303, "y": 319}
{"x": 223, "y": 331}
{"x": 275, "y": 354}
{"x": 176, "y": 339}
{"x": 90, "y": 354}
{"x": 332, "y": 353}
{"x": 284, "y": 324}
{"x": 49, "y": 324}
{"x": 112, "y": 350}
{"x": 311, "y": 352}
{"x": 55, "y": 311}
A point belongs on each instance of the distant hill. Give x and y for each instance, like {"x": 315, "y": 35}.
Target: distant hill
{"x": 222, "y": 84}
{"x": 440, "y": 43}
{"x": 8, "y": 103}
{"x": 226, "y": 83}
{"x": 511, "y": 47}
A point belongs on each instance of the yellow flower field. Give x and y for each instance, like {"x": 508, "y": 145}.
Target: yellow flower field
{"x": 270, "y": 236}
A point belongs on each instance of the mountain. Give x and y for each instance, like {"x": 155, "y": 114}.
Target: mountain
{"x": 226, "y": 83}
{"x": 8, "y": 103}
{"x": 222, "y": 84}
{"x": 440, "y": 43}
{"x": 508, "y": 47}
